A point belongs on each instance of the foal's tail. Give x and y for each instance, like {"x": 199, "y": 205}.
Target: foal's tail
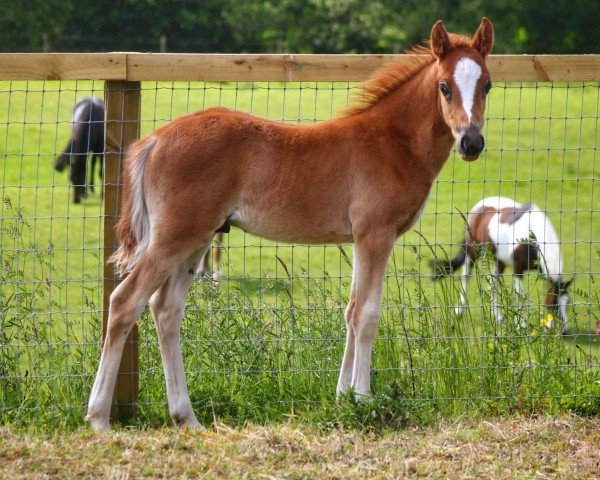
{"x": 442, "y": 268}
{"x": 133, "y": 229}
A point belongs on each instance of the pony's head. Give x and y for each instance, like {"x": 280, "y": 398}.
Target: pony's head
{"x": 557, "y": 299}
{"x": 464, "y": 82}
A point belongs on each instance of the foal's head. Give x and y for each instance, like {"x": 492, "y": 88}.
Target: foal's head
{"x": 464, "y": 82}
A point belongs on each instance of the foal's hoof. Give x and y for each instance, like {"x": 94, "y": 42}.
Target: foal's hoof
{"x": 187, "y": 421}
{"x": 216, "y": 276}
{"x": 364, "y": 398}
{"x": 194, "y": 425}
{"x": 98, "y": 424}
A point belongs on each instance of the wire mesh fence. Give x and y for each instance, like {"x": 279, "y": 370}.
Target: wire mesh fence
{"x": 266, "y": 340}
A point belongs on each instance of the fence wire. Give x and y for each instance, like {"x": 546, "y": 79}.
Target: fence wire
{"x": 267, "y": 340}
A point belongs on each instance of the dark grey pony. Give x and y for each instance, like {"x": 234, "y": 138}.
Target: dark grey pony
{"x": 87, "y": 136}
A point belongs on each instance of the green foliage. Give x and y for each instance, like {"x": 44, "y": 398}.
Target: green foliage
{"x": 561, "y": 26}
{"x": 296, "y": 26}
{"x": 45, "y": 370}
{"x": 261, "y": 358}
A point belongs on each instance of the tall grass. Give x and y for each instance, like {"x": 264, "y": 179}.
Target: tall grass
{"x": 279, "y": 360}
{"x": 45, "y": 371}
{"x": 266, "y": 343}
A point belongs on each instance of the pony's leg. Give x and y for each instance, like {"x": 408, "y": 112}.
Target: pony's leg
{"x": 518, "y": 284}
{"x": 101, "y": 173}
{"x": 521, "y": 297}
{"x": 345, "y": 378}
{"x": 91, "y": 172}
{"x": 372, "y": 253}
{"x": 78, "y": 176}
{"x": 126, "y": 305}
{"x": 167, "y": 306}
{"x": 494, "y": 287}
{"x": 464, "y": 281}
{"x": 217, "y": 257}
{"x": 204, "y": 266}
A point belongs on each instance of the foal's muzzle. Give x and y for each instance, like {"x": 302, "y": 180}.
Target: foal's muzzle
{"x": 471, "y": 145}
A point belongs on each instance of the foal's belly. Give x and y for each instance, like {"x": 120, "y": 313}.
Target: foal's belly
{"x": 287, "y": 225}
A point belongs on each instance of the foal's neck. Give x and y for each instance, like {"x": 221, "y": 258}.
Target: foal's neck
{"x": 412, "y": 116}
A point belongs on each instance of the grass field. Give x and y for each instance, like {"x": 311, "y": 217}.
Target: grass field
{"x": 267, "y": 341}
{"x": 564, "y": 447}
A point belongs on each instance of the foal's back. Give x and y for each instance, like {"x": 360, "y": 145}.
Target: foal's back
{"x": 294, "y": 183}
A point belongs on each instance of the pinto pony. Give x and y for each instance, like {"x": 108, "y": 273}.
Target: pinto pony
{"x": 362, "y": 178}
{"x": 521, "y": 237}
{"x": 87, "y": 136}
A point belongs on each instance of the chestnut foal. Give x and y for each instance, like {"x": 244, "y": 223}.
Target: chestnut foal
{"x": 362, "y": 178}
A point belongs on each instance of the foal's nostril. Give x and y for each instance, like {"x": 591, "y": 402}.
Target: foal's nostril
{"x": 478, "y": 143}
{"x": 464, "y": 143}
{"x": 472, "y": 145}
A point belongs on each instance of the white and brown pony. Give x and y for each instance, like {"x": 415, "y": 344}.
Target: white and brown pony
{"x": 519, "y": 236}
{"x": 362, "y": 178}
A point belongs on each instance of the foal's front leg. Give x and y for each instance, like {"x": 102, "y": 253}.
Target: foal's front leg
{"x": 371, "y": 255}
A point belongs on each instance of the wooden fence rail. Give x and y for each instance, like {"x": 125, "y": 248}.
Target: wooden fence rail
{"x": 122, "y": 73}
{"x": 269, "y": 68}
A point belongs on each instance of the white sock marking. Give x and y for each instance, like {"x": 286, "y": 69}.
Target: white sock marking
{"x": 466, "y": 75}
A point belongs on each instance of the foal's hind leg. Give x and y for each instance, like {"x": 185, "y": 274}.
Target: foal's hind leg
{"x": 126, "y": 305}
{"x": 167, "y": 306}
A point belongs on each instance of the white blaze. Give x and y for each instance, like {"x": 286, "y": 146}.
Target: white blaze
{"x": 466, "y": 75}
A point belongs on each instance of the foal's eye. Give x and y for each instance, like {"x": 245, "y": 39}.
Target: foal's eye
{"x": 445, "y": 89}
{"x": 487, "y": 87}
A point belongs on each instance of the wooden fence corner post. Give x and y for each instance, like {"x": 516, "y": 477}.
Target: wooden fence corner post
{"x": 122, "y": 100}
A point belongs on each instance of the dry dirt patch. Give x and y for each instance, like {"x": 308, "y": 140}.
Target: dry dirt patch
{"x": 567, "y": 447}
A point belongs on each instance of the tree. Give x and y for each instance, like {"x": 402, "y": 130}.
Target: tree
{"x": 296, "y": 26}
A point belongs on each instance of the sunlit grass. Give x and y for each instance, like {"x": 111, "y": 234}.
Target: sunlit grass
{"x": 268, "y": 340}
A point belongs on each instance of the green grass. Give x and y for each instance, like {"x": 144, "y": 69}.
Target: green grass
{"x": 267, "y": 341}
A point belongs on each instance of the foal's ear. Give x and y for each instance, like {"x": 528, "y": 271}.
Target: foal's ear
{"x": 483, "y": 40}
{"x": 439, "y": 41}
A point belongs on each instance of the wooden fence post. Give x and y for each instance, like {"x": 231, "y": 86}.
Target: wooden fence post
{"x": 122, "y": 100}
